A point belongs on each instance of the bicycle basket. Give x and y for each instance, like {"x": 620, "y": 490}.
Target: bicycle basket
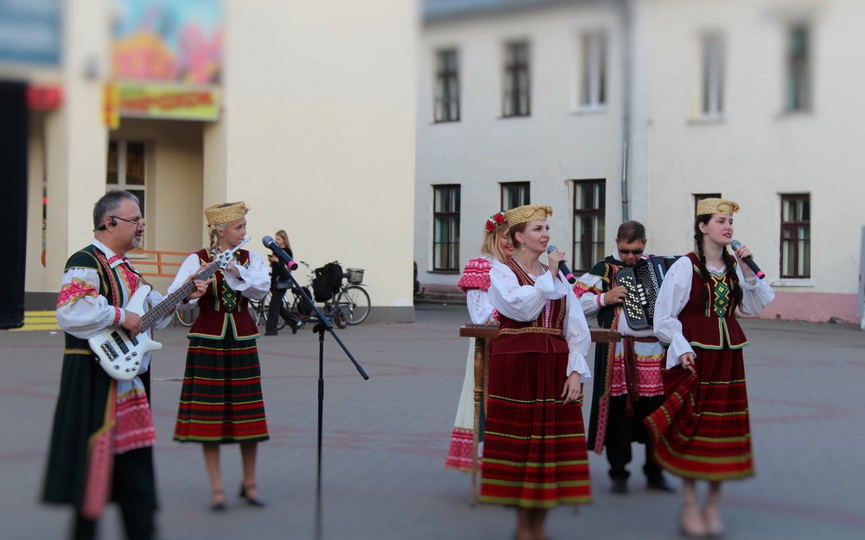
{"x": 355, "y": 275}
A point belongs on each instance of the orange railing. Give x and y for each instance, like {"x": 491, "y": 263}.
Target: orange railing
{"x": 156, "y": 263}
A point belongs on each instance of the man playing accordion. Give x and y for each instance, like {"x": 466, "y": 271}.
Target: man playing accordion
{"x": 628, "y": 384}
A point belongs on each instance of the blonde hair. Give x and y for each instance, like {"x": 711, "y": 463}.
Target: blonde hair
{"x": 491, "y": 244}
{"x": 212, "y": 231}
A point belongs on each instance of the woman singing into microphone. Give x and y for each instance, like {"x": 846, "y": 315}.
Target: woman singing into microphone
{"x": 535, "y": 455}
{"x": 702, "y": 432}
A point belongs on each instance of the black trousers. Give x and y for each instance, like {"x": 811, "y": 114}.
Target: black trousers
{"x": 133, "y": 488}
{"x": 622, "y": 430}
{"x": 276, "y": 309}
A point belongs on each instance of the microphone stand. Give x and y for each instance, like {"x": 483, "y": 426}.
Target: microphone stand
{"x": 323, "y": 325}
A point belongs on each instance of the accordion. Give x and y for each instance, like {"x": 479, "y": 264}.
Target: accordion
{"x": 643, "y": 282}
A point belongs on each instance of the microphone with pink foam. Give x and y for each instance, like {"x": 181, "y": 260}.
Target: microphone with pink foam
{"x": 735, "y": 244}
{"x": 563, "y": 267}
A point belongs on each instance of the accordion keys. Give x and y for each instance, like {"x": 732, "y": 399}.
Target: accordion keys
{"x": 643, "y": 283}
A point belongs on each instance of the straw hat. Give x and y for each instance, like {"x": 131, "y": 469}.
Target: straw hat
{"x": 529, "y": 212}
{"x": 225, "y": 212}
{"x": 716, "y": 206}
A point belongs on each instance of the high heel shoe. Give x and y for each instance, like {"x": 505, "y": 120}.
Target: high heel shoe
{"x": 217, "y": 503}
{"x": 691, "y": 523}
{"x": 714, "y": 523}
{"x": 253, "y": 501}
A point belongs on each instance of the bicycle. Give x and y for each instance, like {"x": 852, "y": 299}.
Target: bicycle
{"x": 352, "y": 299}
{"x": 304, "y": 314}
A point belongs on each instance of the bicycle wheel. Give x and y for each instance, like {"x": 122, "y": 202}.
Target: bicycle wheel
{"x": 353, "y": 301}
{"x": 186, "y": 316}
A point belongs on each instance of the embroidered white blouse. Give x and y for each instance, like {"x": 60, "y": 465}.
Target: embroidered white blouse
{"x": 524, "y": 303}
{"x": 674, "y": 294}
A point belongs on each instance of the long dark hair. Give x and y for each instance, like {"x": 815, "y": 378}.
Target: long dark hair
{"x": 729, "y": 263}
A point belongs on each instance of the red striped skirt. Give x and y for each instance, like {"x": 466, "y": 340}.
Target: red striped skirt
{"x": 221, "y": 400}
{"x": 702, "y": 430}
{"x": 534, "y": 446}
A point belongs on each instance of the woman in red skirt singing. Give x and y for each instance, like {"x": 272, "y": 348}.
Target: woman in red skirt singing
{"x": 221, "y": 400}
{"x": 534, "y": 443}
{"x": 702, "y": 431}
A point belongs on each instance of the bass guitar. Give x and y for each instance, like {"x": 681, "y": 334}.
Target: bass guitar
{"x": 120, "y": 354}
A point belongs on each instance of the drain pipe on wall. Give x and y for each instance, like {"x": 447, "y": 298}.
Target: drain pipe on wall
{"x": 627, "y": 29}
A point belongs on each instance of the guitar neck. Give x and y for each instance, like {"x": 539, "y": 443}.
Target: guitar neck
{"x": 172, "y": 300}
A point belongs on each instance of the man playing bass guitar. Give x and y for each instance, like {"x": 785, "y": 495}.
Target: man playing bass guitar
{"x": 102, "y": 439}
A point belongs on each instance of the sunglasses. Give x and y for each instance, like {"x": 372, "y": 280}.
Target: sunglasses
{"x": 630, "y": 251}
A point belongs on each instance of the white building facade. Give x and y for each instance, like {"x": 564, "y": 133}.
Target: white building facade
{"x": 313, "y": 127}
{"x": 654, "y": 104}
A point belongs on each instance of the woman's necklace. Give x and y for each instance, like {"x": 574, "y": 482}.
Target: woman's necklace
{"x": 537, "y": 265}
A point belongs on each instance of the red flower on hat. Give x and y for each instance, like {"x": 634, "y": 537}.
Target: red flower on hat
{"x": 496, "y": 220}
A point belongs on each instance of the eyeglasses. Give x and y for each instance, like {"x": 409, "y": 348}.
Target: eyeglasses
{"x": 136, "y": 222}
{"x": 630, "y": 251}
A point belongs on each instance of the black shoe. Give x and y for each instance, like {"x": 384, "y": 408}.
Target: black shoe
{"x": 271, "y": 333}
{"x": 659, "y": 483}
{"x": 253, "y": 501}
{"x": 218, "y": 506}
{"x": 294, "y": 326}
{"x": 620, "y": 486}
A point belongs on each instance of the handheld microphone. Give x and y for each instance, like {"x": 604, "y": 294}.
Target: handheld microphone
{"x": 735, "y": 244}
{"x": 563, "y": 267}
{"x": 271, "y": 244}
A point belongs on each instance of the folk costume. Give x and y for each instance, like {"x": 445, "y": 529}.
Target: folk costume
{"x": 103, "y": 434}
{"x": 534, "y": 446}
{"x": 628, "y": 385}
{"x": 475, "y": 281}
{"x": 702, "y": 430}
{"x": 221, "y": 399}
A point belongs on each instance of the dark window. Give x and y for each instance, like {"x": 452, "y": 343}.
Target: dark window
{"x": 515, "y": 194}
{"x": 447, "y": 91}
{"x": 798, "y": 98}
{"x": 516, "y": 80}
{"x": 795, "y": 236}
{"x": 446, "y": 234}
{"x": 589, "y": 223}
{"x": 700, "y": 196}
{"x": 126, "y": 171}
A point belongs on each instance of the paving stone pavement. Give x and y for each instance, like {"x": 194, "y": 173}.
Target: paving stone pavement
{"x": 385, "y": 440}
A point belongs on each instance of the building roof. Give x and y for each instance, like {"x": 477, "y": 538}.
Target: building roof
{"x": 437, "y": 10}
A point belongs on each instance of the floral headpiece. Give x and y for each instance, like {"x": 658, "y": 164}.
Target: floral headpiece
{"x": 496, "y": 220}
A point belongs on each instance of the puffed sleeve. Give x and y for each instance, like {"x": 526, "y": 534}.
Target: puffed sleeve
{"x": 81, "y": 310}
{"x": 254, "y": 282}
{"x": 522, "y": 303}
{"x": 579, "y": 338}
{"x": 478, "y": 304}
{"x": 755, "y": 296}
{"x": 672, "y": 298}
{"x": 590, "y": 292}
{"x": 190, "y": 266}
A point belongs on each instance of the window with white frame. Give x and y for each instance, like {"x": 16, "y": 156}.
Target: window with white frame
{"x": 515, "y": 98}
{"x": 798, "y": 96}
{"x": 593, "y": 72}
{"x": 712, "y": 72}
{"x": 515, "y": 194}
{"x": 126, "y": 170}
{"x": 447, "y": 89}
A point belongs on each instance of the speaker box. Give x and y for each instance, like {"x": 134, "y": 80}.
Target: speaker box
{"x": 13, "y": 202}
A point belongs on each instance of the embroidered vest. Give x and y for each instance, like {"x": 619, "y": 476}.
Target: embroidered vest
{"x": 222, "y": 307}
{"x": 544, "y": 335}
{"x": 708, "y": 320}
